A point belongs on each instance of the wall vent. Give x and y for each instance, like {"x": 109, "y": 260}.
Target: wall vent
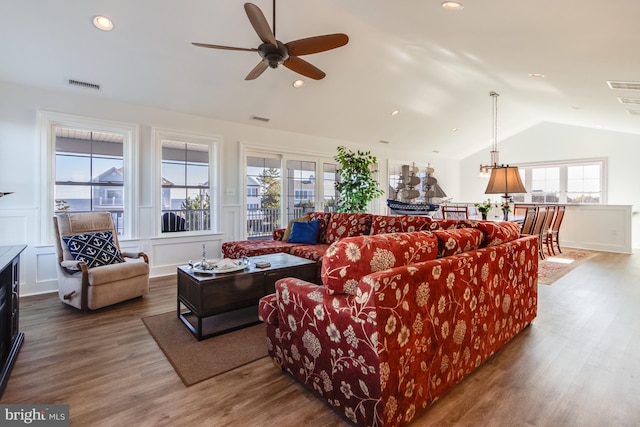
{"x": 85, "y": 85}
{"x": 615, "y": 84}
{"x": 623, "y": 100}
{"x": 260, "y": 119}
{"x": 634, "y": 112}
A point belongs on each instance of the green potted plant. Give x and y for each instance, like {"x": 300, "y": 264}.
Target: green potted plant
{"x": 484, "y": 207}
{"x": 356, "y": 185}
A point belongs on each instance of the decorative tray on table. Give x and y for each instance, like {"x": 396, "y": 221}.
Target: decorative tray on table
{"x": 216, "y": 266}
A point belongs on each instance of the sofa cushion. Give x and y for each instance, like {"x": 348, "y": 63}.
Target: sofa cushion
{"x": 312, "y": 252}
{"x": 95, "y": 249}
{"x": 343, "y": 225}
{"x": 399, "y": 223}
{"x": 324, "y": 222}
{"x": 453, "y": 242}
{"x": 238, "y": 249}
{"x": 496, "y": 233}
{"x": 305, "y": 232}
{"x": 349, "y": 259}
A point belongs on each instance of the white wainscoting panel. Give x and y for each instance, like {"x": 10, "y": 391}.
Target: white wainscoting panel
{"x": 604, "y": 228}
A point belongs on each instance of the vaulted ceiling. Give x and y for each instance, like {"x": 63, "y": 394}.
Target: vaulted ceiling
{"x": 436, "y": 67}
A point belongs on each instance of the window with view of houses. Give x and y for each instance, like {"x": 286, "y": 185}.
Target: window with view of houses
{"x": 186, "y": 201}
{"x": 89, "y": 173}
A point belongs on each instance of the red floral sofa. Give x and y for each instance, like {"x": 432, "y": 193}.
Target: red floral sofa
{"x": 402, "y": 317}
{"x": 333, "y": 227}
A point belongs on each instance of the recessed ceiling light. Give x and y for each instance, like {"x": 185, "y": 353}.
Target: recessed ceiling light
{"x": 575, "y": 107}
{"x": 103, "y": 23}
{"x": 298, "y": 83}
{"x": 452, "y": 5}
{"x": 454, "y": 130}
{"x": 536, "y": 75}
{"x": 395, "y": 112}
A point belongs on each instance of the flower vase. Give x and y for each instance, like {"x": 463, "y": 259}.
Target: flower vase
{"x": 484, "y": 215}
{"x": 505, "y": 210}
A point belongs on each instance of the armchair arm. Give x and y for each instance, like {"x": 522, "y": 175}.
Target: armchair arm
{"x": 136, "y": 255}
{"x": 71, "y": 265}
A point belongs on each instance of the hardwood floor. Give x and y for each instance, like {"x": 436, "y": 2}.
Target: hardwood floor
{"x": 575, "y": 366}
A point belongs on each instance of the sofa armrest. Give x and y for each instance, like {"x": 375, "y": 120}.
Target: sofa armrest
{"x": 268, "y": 310}
{"x": 278, "y": 233}
{"x": 330, "y": 343}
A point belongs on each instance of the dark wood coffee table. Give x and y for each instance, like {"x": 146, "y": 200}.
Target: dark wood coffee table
{"x": 219, "y": 303}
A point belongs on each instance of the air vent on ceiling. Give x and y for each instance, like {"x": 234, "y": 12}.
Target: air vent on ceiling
{"x": 615, "y": 84}
{"x": 86, "y": 85}
{"x": 383, "y": 141}
{"x": 629, "y": 100}
{"x": 634, "y": 112}
{"x": 260, "y": 119}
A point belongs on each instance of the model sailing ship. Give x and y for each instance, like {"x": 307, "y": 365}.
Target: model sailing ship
{"x": 404, "y": 202}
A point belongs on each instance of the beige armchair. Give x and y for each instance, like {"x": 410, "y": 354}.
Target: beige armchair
{"x": 92, "y": 270}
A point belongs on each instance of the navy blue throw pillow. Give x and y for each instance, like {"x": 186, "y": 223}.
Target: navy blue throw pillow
{"x": 305, "y": 232}
{"x": 95, "y": 249}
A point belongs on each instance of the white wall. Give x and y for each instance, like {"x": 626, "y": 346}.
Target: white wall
{"x": 20, "y": 213}
{"x": 552, "y": 141}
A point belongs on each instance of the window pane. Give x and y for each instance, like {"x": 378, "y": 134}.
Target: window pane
{"x": 73, "y": 168}
{"x": 197, "y": 175}
{"x": 107, "y": 198}
{"x": 107, "y": 169}
{"x": 173, "y": 173}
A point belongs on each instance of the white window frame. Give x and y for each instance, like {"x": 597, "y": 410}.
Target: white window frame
{"x": 213, "y": 141}
{"x": 47, "y": 122}
{"x": 563, "y": 165}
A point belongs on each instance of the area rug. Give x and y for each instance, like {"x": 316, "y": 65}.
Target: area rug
{"x": 196, "y": 361}
{"x": 553, "y": 268}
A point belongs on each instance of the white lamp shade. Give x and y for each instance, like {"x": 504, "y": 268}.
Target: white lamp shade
{"x": 505, "y": 180}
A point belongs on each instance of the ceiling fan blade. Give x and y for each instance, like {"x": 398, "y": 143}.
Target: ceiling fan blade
{"x": 215, "y": 46}
{"x": 316, "y": 44}
{"x": 257, "y": 70}
{"x": 301, "y": 66}
{"x": 260, "y": 24}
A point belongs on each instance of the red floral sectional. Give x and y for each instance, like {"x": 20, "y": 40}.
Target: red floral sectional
{"x": 333, "y": 227}
{"x": 401, "y": 317}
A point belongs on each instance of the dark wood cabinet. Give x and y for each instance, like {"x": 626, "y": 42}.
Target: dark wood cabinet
{"x": 10, "y": 336}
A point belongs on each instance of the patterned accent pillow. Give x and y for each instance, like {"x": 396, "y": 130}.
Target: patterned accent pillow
{"x": 399, "y": 223}
{"x": 453, "y": 242}
{"x": 343, "y": 225}
{"x": 349, "y": 259}
{"x": 95, "y": 249}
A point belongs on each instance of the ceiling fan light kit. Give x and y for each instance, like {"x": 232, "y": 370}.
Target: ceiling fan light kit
{"x": 273, "y": 52}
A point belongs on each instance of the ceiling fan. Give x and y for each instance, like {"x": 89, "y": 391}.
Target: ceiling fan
{"x": 274, "y": 52}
